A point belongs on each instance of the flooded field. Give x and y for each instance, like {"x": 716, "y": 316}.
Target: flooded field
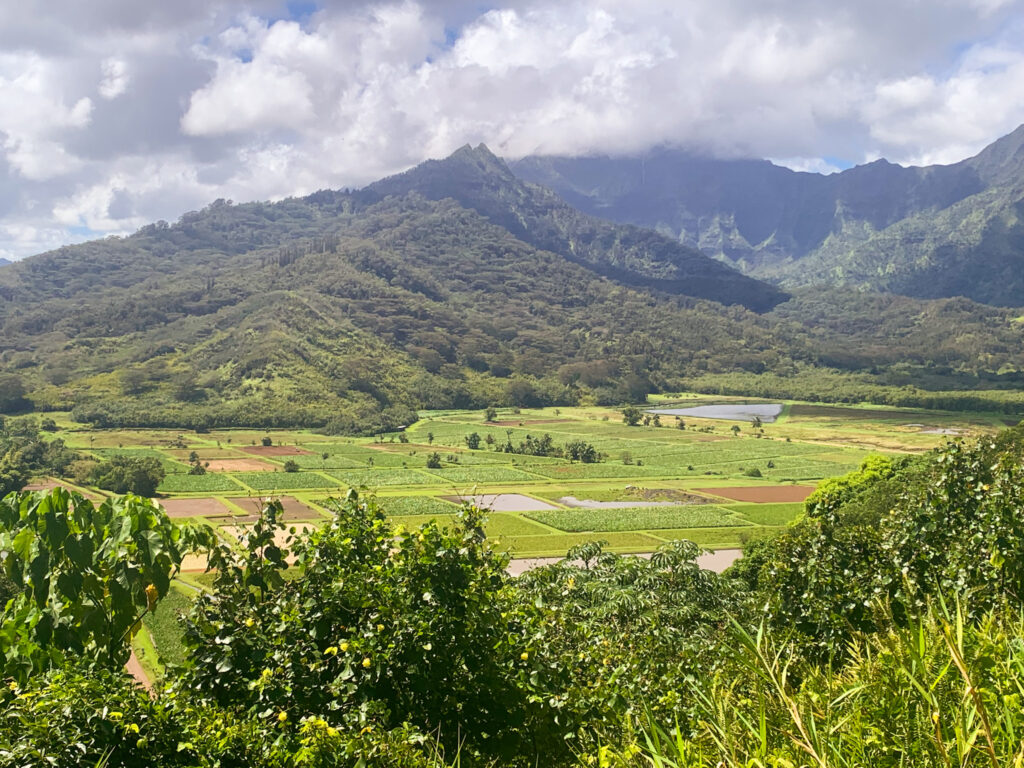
{"x": 767, "y": 412}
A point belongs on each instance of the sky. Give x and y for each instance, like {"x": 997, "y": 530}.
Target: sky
{"x": 118, "y": 113}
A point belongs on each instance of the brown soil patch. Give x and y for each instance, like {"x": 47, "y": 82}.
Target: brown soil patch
{"x": 273, "y": 450}
{"x": 193, "y": 563}
{"x": 50, "y": 484}
{"x": 765, "y": 494}
{"x": 281, "y": 537}
{"x": 45, "y": 485}
{"x": 193, "y": 507}
{"x": 293, "y": 508}
{"x": 240, "y": 465}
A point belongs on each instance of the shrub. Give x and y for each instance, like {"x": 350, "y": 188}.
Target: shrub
{"x": 84, "y": 575}
{"x": 129, "y": 474}
{"x": 376, "y": 632}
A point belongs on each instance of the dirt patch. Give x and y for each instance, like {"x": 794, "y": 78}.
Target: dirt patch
{"x": 281, "y": 537}
{"x": 503, "y": 502}
{"x": 274, "y": 450}
{"x": 50, "y": 484}
{"x": 293, "y": 508}
{"x": 193, "y": 563}
{"x": 193, "y": 507}
{"x": 765, "y": 494}
{"x": 240, "y": 465}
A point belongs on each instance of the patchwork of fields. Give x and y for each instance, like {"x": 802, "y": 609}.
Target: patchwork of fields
{"x": 699, "y": 479}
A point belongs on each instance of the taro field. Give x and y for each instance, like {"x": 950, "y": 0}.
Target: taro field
{"x": 718, "y": 482}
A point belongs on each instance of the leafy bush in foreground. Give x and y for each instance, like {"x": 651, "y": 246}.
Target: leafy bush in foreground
{"x": 376, "y": 632}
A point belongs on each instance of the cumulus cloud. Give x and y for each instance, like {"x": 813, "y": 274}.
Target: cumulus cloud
{"x": 115, "y": 113}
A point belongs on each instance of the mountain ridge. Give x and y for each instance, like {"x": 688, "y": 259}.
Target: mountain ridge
{"x": 796, "y": 228}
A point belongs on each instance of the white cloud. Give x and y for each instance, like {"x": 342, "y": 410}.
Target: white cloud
{"x": 115, "y": 78}
{"x": 116, "y": 113}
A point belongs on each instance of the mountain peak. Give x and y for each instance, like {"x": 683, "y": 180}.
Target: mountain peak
{"x": 467, "y": 167}
{"x": 1002, "y": 161}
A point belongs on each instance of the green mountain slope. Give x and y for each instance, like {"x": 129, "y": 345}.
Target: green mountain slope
{"x": 353, "y": 309}
{"x": 928, "y": 232}
{"x": 482, "y": 182}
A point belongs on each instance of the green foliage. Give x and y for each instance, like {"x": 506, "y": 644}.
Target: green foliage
{"x": 78, "y": 717}
{"x": 947, "y": 528}
{"x": 129, "y": 474}
{"x": 631, "y": 416}
{"x": 434, "y": 460}
{"x": 473, "y": 441}
{"x": 84, "y": 575}
{"x": 840, "y": 490}
{"x": 360, "y": 639}
{"x": 291, "y": 466}
{"x": 581, "y": 450}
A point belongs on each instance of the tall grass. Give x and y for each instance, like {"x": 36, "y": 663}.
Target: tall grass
{"x": 935, "y": 692}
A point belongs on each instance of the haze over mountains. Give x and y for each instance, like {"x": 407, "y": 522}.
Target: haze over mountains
{"x": 928, "y": 232}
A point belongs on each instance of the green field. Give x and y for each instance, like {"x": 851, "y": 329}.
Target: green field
{"x": 208, "y": 483}
{"x": 768, "y": 514}
{"x": 641, "y": 463}
{"x": 284, "y": 481}
{"x": 637, "y": 518}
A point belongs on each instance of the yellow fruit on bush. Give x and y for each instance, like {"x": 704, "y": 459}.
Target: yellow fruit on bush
{"x": 366, "y": 662}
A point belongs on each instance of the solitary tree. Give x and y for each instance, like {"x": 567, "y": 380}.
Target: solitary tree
{"x": 631, "y": 416}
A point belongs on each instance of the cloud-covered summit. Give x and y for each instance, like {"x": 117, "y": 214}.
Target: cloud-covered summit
{"x": 116, "y": 113}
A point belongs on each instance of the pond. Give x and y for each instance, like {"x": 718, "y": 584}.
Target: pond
{"x": 767, "y": 412}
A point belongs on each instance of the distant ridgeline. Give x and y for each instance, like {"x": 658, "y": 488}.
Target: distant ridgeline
{"x": 928, "y": 232}
{"x": 454, "y": 285}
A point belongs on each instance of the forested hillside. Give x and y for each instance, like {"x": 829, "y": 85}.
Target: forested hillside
{"x": 934, "y": 231}
{"x": 453, "y": 285}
